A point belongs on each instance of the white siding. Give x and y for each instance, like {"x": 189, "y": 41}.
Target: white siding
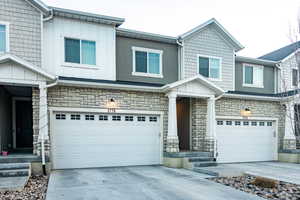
{"x": 209, "y": 42}
{"x": 285, "y": 78}
{"x": 104, "y": 35}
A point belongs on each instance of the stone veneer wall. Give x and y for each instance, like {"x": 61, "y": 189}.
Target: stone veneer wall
{"x": 231, "y": 107}
{"x": 76, "y": 97}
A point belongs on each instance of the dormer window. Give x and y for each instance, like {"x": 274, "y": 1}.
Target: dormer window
{"x": 80, "y": 51}
{"x": 4, "y": 38}
{"x": 209, "y": 67}
{"x": 147, "y": 62}
{"x": 253, "y": 75}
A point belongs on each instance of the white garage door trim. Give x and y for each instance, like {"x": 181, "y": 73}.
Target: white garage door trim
{"x": 105, "y": 111}
{"x": 275, "y": 120}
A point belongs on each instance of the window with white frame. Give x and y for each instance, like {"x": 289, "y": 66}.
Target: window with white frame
{"x": 80, "y": 51}
{"x": 253, "y": 75}
{"x": 295, "y": 77}
{"x": 209, "y": 66}
{"x": 4, "y": 37}
{"x": 147, "y": 62}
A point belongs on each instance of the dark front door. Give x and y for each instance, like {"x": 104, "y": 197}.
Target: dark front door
{"x": 183, "y": 123}
{"x": 24, "y": 132}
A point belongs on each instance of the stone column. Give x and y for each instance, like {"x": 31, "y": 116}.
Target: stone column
{"x": 172, "y": 137}
{"x": 289, "y": 141}
{"x": 211, "y": 125}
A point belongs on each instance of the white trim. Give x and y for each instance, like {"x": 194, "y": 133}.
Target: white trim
{"x": 147, "y": 50}
{"x": 14, "y": 128}
{"x": 253, "y": 66}
{"x": 5, "y": 57}
{"x": 252, "y": 97}
{"x": 209, "y": 57}
{"x": 7, "y": 42}
{"x": 233, "y": 71}
{"x": 120, "y": 111}
{"x": 292, "y": 85}
{"x": 258, "y": 119}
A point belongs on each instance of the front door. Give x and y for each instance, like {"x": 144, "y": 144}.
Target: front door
{"x": 24, "y": 132}
{"x": 183, "y": 123}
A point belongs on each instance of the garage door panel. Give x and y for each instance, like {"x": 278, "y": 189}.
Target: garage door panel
{"x": 94, "y": 143}
{"x": 245, "y": 142}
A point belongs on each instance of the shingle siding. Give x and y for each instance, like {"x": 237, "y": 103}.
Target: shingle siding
{"x": 209, "y": 42}
{"x": 285, "y": 78}
{"x": 25, "y": 29}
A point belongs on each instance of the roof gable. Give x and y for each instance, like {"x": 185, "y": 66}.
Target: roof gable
{"x": 281, "y": 53}
{"x": 227, "y": 36}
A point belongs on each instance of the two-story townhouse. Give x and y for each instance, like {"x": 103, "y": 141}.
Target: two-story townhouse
{"x": 79, "y": 92}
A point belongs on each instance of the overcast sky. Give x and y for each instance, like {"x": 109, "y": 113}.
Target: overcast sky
{"x": 260, "y": 25}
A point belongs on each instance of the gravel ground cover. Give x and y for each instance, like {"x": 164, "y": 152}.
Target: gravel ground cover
{"x": 35, "y": 189}
{"x": 283, "y": 191}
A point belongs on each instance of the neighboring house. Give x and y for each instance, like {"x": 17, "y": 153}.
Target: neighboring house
{"x": 61, "y": 71}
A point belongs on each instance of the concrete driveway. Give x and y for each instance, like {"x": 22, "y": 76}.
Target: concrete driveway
{"x": 287, "y": 172}
{"x": 138, "y": 183}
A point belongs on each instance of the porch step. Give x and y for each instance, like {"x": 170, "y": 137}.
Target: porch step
{"x": 200, "y": 159}
{"x": 13, "y": 166}
{"x": 205, "y": 171}
{"x": 19, "y": 159}
{"x": 191, "y": 154}
{"x": 205, "y": 164}
{"x": 14, "y": 173}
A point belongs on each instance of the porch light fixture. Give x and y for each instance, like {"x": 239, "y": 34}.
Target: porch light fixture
{"x": 111, "y": 105}
{"x": 246, "y": 112}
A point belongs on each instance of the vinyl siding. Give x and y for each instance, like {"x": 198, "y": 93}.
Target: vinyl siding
{"x": 285, "y": 77}
{"x": 25, "y": 29}
{"x": 209, "y": 42}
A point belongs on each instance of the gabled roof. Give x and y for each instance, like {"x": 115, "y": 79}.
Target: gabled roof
{"x": 281, "y": 53}
{"x": 40, "y": 5}
{"x": 202, "y": 80}
{"x": 238, "y": 46}
{"x": 90, "y": 17}
{"x": 8, "y": 57}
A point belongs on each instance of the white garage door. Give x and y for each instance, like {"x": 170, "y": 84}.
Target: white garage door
{"x": 102, "y": 140}
{"x": 246, "y": 141}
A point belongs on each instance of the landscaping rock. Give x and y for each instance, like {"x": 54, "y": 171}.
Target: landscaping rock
{"x": 282, "y": 190}
{"x": 35, "y": 189}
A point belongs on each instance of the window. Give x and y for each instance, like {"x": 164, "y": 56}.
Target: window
{"x": 4, "y": 37}
{"x": 219, "y": 122}
{"x": 60, "y": 116}
{"x": 89, "y": 117}
{"x": 80, "y": 51}
{"x": 295, "y": 77}
{"x": 103, "y": 117}
{"x": 129, "y": 118}
{"x": 269, "y": 124}
{"x": 229, "y": 123}
{"x": 141, "y": 119}
{"x": 237, "y": 123}
{"x": 147, "y": 62}
{"x": 253, "y": 75}
{"x": 253, "y": 123}
{"x": 153, "y": 119}
{"x": 209, "y": 67}
{"x": 261, "y": 123}
{"x": 75, "y": 117}
{"x": 116, "y": 118}
{"x": 245, "y": 123}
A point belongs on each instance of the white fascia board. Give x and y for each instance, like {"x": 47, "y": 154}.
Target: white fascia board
{"x": 252, "y": 97}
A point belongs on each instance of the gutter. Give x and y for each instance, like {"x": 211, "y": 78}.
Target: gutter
{"x": 252, "y": 97}
{"x": 49, "y": 17}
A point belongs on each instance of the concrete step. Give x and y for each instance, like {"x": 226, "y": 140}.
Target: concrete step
{"x": 205, "y": 171}
{"x": 19, "y": 159}
{"x": 13, "y": 166}
{"x": 13, "y": 183}
{"x": 188, "y": 154}
{"x": 200, "y": 159}
{"x": 205, "y": 164}
{"x": 14, "y": 173}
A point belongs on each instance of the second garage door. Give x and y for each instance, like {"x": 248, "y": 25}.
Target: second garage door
{"x": 104, "y": 140}
{"x": 246, "y": 141}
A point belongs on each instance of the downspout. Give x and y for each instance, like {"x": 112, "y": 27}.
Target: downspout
{"x": 180, "y": 58}
{"x": 49, "y": 17}
{"x": 42, "y": 136}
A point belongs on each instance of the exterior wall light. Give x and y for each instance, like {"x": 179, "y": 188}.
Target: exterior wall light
{"x": 246, "y": 112}
{"x": 111, "y": 105}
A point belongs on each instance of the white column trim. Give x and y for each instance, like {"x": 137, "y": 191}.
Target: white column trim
{"x": 172, "y": 116}
{"x": 289, "y": 122}
{"x": 43, "y": 113}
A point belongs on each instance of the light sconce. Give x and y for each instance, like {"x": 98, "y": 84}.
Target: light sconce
{"x": 246, "y": 112}
{"x": 111, "y": 105}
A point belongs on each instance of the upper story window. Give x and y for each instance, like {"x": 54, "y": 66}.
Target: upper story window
{"x": 210, "y": 67}
{"x": 253, "y": 75}
{"x": 4, "y": 28}
{"x": 80, "y": 51}
{"x": 147, "y": 62}
{"x": 294, "y": 77}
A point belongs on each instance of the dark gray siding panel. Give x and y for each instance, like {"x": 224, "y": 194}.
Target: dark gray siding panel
{"x": 124, "y": 60}
{"x": 268, "y": 80}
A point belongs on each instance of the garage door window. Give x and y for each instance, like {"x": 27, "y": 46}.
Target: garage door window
{"x": 60, "y": 116}
{"x": 75, "y": 117}
{"x": 229, "y": 123}
{"x": 153, "y": 119}
{"x": 261, "y": 123}
{"x": 253, "y": 123}
{"x": 89, "y": 117}
{"x": 103, "y": 117}
{"x": 219, "y": 122}
{"x": 129, "y": 118}
{"x": 237, "y": 123}
{"x": 141, "y": 119}
{"x": 246, "y": 123}
{"x": 116, "y": 118}
{"x": 269, "y": 124}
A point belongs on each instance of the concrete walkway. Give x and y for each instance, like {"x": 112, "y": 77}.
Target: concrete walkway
{"x": 138, "y": 183}
{"x": 287, "y": 172}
